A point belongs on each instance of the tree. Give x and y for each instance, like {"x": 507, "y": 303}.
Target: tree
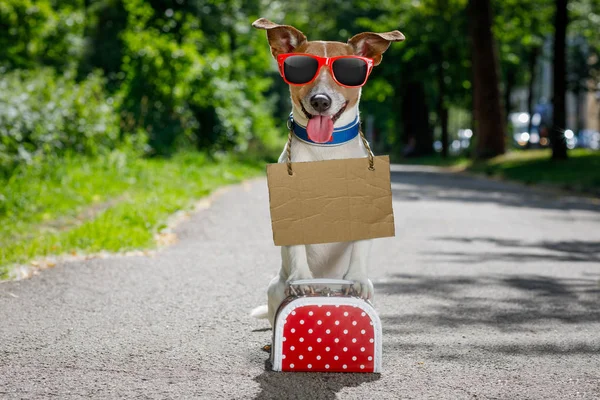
{"x": 521, "y": 28}
{"x": 488, "y": 111}
{"x": 559, "y": 83}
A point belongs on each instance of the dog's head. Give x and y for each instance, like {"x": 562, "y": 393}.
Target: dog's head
{"x": 323, "y": 101}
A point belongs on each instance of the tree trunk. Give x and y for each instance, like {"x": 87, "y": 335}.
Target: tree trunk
{"x": 533, "y": 57}
{"x": 415, "y": 119}
{"x": 579, "y": 105}
{"x": 559, "y": 146}
{"x": 487, "y": 106}
{"x": 510, "y": 83}
{"x": 442, "y": 111}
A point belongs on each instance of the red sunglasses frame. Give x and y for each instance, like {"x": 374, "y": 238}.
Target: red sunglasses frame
{"x": 323, "y": 61}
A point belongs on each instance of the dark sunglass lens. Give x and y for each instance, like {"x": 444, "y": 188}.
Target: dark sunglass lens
{"x": 350, "y": 71}
{"x": 300, "y": 69}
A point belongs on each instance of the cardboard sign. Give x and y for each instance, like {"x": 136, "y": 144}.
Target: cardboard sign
{"x": 330, "y": 201}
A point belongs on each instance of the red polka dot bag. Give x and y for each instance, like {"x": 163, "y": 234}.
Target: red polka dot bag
{"x": 326, "y": 332}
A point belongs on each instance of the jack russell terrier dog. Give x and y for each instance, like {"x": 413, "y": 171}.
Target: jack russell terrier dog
{"x": 325, "y": 80}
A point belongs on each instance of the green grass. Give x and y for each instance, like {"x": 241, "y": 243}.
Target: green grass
{"x": 115, "y": 203}
{"x": 581, "y": 172}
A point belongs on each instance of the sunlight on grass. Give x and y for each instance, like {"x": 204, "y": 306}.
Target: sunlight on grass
{"x": 580, "y": 172}
{"x": 116, "y": 203}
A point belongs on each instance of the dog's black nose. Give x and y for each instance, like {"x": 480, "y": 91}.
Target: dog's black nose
{"x": 320, "y": 102}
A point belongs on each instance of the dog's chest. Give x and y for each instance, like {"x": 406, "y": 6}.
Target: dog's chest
{"x": 329, "y": 260}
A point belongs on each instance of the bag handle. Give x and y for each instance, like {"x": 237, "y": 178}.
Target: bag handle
{"x": 370, "y": 154}
{"x": 320, "y": 281}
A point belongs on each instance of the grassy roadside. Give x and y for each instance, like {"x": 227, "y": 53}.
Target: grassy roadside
{"x": 116, "y": 203}
{"x": 581, "y": 172}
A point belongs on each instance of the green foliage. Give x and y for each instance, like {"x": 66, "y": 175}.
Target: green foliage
{"x": 44, "y": 114}
{"x": 40, "y": 32}
{"x": 189, "y": 79}
{"x": 187, "y": 72}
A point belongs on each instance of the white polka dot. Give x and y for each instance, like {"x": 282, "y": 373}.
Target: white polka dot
{"x": 336, "y": 340}
{"x": 283, "y": 357}
{"x": 301, "y": 322}
{"x": 326, "y": 366}
{"x": 293, "y": 330}
{"x": 309, "y": 366}
{"x": 345, "y": 349}
{"x": 336, "y": 358}
{"x": 346, "y": 314}
{"x": 354, "y": 323}
{"x": 363, "y": 331}
{"x": 319, "y": 322}
{"x": 300, "y": 357}
{"x": 310, "y": 331}
{"x": 328, "y": 313}
{"x": 318, "y": 357}
{"x": 362, "y": 367}
{"x": 310, "y": 313}
{"x": 301, "y": 339}
{"x": 327, "y": 349}
{"x": 370, "y": 358}
{"x": 309, "y": 348}
{"x": 292, "y": 348}
{"x": 354, "y": 358}
{"x": 337, "y": 306}
{"x": 283, "y": 339}
{"x": 337, "y": 322}
{"x": 345, "y": 331}
{"x": 362, "y": 349}
{"x": 291, "y": 365}
{"x": 344, "y": 366}
{"x": 362, "y": 314}
{"x": 318, "y": 340}
{"x": 293, "y": 312}
{"x": 319, "y": 305}
{"x": 354, "y": 340}
{"x": 328, "y": 331}
{"x": 371, "y": 340}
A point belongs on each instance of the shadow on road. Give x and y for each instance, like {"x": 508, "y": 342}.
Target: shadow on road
{"x": 504, "y": 302}
{"x": 416, "y": 184}
{"x": 566, "y": 251}
{"x": 305, "y": 385}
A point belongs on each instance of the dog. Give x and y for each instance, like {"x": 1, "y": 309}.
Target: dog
{"x": 326, "y": 104}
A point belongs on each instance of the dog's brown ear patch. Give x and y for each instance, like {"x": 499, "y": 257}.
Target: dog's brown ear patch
{"x": 282, "y": 38}
{"x": 373, "y": 45}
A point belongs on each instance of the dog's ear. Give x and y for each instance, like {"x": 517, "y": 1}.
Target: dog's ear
{"x": 282, "y": 38}
{"x": 373, "y": 45}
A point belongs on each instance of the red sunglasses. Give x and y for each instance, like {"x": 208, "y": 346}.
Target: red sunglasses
{"x": 301, "y": 69}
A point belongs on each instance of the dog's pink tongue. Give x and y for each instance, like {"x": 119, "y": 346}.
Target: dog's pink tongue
{"x": 320, "y": 129}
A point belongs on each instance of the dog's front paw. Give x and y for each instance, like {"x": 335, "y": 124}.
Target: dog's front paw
{"x": 361, "y": 287}
{"x": 295, "y": 290}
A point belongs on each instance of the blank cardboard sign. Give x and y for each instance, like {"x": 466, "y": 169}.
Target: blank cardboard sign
{"x": 330, "y": 201}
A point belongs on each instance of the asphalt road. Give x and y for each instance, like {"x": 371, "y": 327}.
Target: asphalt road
{"x": 489, "y": 291}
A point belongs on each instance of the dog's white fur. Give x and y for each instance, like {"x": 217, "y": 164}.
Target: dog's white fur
{"x": 347, "y": 260}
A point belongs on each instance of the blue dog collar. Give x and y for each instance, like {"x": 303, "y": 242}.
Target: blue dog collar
{"x": 340, "y": 135}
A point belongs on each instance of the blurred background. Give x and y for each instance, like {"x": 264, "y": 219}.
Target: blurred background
{"x": 103, "y": 98}
{"x": 83, "y": 75}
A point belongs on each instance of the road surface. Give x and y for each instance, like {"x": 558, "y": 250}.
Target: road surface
{"x": 489, "y": 290}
